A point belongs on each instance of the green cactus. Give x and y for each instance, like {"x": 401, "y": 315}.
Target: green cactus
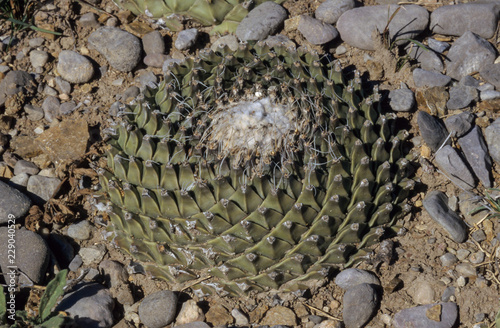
{"x": 259, "y": 167}
{"x": 225, "y": 14}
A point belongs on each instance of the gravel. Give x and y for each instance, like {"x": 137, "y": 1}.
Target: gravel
{"x": 158, "y": 309}
{"x": 74, "y": 67}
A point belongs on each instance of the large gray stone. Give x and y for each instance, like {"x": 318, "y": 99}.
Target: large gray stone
{"x": 330, "y": 10}
{"x": 90, "y": 305}
{"x": 14, "y": 82}
{"x": 431, "y": 129}
{"x": 121, "y": 49}
{"x": 476, "y": 153}
{"x": 436, "y": 204}
{"x": 449, "y": 161}
{"x": 158, "y": 309}
{"x": 428, "y": 79}
{"x": 416, "y": 317}
{"x": 491, "y": 74}
{"x": 261, "y": 21}
{"x": 351, "y": 277}
{"x": 13, "y": 203}
{"x": 41, "y": 188}
{"x": 427, "y": 58}
{"x": 469, "y": 53}
{"x": 492, "y": 136}
{"x": 356, "y": 25}
{"x": 316, "y": 31}
{"x": 31, "y": 254}
{"x": 359, "y": 302}
{"x": 461, "y": 96}
{"x": 457, "y": 19}
{"x": 74, "y": 67}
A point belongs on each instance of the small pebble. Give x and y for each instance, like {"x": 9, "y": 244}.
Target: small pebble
{"x": 63, "y": 86}
{"x": 239, "y": 317}
{"x": 447, "y": 293}
{"x": 186, "y": 39}
{"x": 416, "y": 317}
{"x": 462, "y": 254}
{"x": 80, "y": 230}
{"x": 448, "y": 259}
{"x": 316, "y": 31}
{"x": 459, "y": 124}
{"x": 438, "y": 46}
{"x": 39, "y": 58}
{"x": 155, "y": 60}
{"x": 340, "y": 50}
{"x": 89, "y": 20}
{"x": 461, "y": 281}
{"x": 424, "y": 78}
{"x": 423, "y": 292}
{"x": 67, "y": 108}
{"x": 114, "y": 272}
{"x": 461, "y": 96}
{"x": 158, "y": 309}
{"x": 432, "y": 130}
{"x": 492, "y": 135}
{"x": 74, "y": 67}
{"x": 75, "y": 263}
{"x": 19, "y": 181}
{"x": 23, "y": 166}
{"x": 153, "y": 43}
{"x": 42, "y": 188}
{"x": 466, "y": 270}
{"x": 189, "y": 312}
{"x": 359, "y": 302}
{"x": 36, "y": 42}
{"x": 489, "y": 95}
{"x": 477, "y": 257}
{"x": 402, "y": 100}
{"x": 479, "y": 235}
{"x": 230, "y": 40}
{"x": 262, "y": 21}
{"x": 91, "y": 255}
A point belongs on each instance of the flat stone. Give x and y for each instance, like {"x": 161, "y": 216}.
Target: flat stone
{"x": 480, "y": 19}
{"x": 32, "y": 254}
{"x": 91, "y": 255}
{"x": 491, "y": 74}
{"x": 432, "y": 131}
{"x": 466, "y": 269}
{"x": 424, "y": 78}
{"x": 436, "y": 204}
{"x": 63, "y": 86}
{"x": 121, "y": 49}
{"x": 461, "y": 96}
{"x": 114, "y": 272}
{"x": 459, "y": 124}
{"x": 189, "y": 312}
{"x": 34, "y": 113}
{"x": 448, "y": 259}
{"x": 406, "y": 24}
{"x": 74, "y": 67}
{"x": 50, "y": 107}
{"x": 239, "y": 317}
{"x": 331, "y": 10}
{"x": 449, "y": 161}
{"x": 13, "y": 203}
{"x": 316, "y": 31}
{"x": 75, "y": 263}
{"x": 438, "y": 46}
{"x": 469, "y": 53}
{"x": 38, "y": 58}
{"x": 36, "y": 42}
{"x": 416, "y": 317}
{"x": 67, "y": 108}
{"x": 186, "y": 39}
{"x": 280, "y": 315}
{"x": 15, "y": 82}
{"x": 90, "y": 305}
{"x": 218, "y": 315}
{"x": 262, "y": 21}
{"x": 42, "y": 188}
{"x": 427, "y": 58}
{"x": 155, "y": 60}
{"x": 492, "y": 135}
{"x": 80, "y": 230}
{"x": 469, "y": 81}
{"x": 89, "y": 20}
{"x": 19, "y": 181}
{"x": 66, "y": 141}
{"x": 23, "y": 166}
{"x": 153, "y": 43}
{"x": 158, "y": 309}
{"x": 476, "y": 153}
{"x": 279, "y": 40}
{"x": 359, "y": 303}
{"x": 489, "y": 95}
{"x": 401, "y": 100}
{"x": 422, "y": 292}
{"x": 351, "y": 277}
{"x": 448, "y": 293}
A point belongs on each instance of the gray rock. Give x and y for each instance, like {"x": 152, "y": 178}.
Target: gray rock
{"x": 351, "y": 277}
{"x": 263, "y": 20}
{"x": 80, "y": 230}
{"x": 63, "y": 86}
{"x": 13, "y": 203}
{"x": 38, "y": 58}
{"x": 330, "y": 10}
{"x": 19, "y": 181}
{"x": 340, "y": 50}
{"x": 75, "y": 263}
{"x": 114, "y": 272}
{"x": 229, "y": 40}
{"x": 146, "y": 78}
{"x": 477, "y": 257}
{"x": 130, "y": 93}
{"x": 158, "y": 309}
{"x": 239, "y": 317}
{"x": 93, "y": 254}
{"x": 476, "y": 153}
{"x": 448, "y": 259}
{"x": 469, "y": 81}
{"x": 486, "y": 87}
{"x": 459, "y": 124}
{"x": 90, "y": 305}
{"x": 469, "y": 53}
{"x": 401, "y": 100}
{"x": 23, "y": 166}
{"x": 461, "y": 96}
{"x": 49, "y": 91}
{"x": 427, "y": 58}
{"x": 436, "y": 204}
{"x": 279, "y": 40}
{"x": 42, "y": 188}
{"x": 416, "y": 317}
{"x": 466, "y": 269}
{"x": 121, "y": 49}
{"x": 74, "y": 67}
{"x": 186, "y": 39}
{"x": 155, "y": 60}
{"x": 491, "y": 74}
{"x": 36, "y": 42}
{"x": 359, "y": 302}
{"x": 449, "y": 161}
{"x": 437, "y": 46}
{"x": 316, "y": 31}
{"x": 14, "y": 82}
{"x": 196, "y": 324}
{"x": 67, "y": 108}
{"x": 431, "y": 129}
{"x": 492, "y": 135}
{"x": 423, "y": 78}
{"x": 356, "y": 25}
{"x": 89, "y": 20}
{"x": 480, "y": 19}
{"x": 489, "y": 95}
{"x": 447, "y": 293}
{"x": 153, "y": 43}
{"x": 168, "y": 63}
{"x": 34, "y": 113}
{"x": 32, "y": 254}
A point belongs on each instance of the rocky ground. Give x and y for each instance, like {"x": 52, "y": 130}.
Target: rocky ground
{"x": 443, "y": 272}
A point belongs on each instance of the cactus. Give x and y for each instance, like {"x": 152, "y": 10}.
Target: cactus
{"x": 225, "y": 14}
{"x": 260, "y": 167}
